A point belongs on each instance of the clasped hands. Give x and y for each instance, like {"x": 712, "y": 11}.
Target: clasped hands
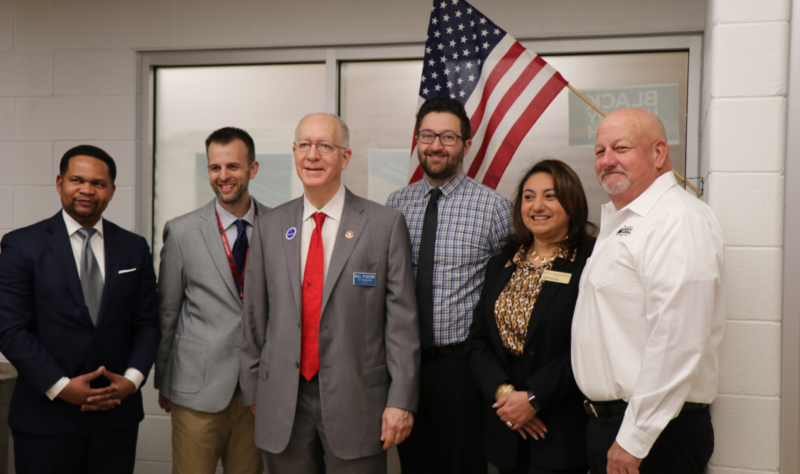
{"x": 79, "y": 392}
{"x": 514, "y": 408}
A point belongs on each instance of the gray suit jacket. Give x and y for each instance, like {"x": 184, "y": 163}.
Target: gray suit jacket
{"x": 197, "y": 365}
{"x": 368, "y": 336}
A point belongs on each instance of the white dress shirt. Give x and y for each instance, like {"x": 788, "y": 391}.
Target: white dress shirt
{"x": 333, "y": 209}
{"x": 228, "y": 221}
{"x": 98, "y": 248}
{"x": 650, "y": 313}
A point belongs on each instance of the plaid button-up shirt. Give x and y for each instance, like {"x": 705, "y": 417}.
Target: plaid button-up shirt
{"x": 473, "y": 221}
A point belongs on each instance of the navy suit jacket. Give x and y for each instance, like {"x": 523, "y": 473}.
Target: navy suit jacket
{"x": 46, "y": 331}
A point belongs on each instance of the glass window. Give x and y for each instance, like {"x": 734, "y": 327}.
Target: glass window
{"x": 267, "y": 101}
{"x": 379, "y": 99}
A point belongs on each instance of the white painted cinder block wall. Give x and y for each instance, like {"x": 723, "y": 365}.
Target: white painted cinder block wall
{"x": 68, "y": 76}
{"x": 743, "y": 148}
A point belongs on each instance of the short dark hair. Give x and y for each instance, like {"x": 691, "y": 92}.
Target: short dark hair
{"x": 225, "y": 135}
{"x": 570, "y": 194}
{"x": 445, "y": 104}
{"x": 94, "y": 152}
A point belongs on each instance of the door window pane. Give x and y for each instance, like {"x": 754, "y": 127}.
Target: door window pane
{"x": 379, "y": 100}
{"x": 267, "y": 101}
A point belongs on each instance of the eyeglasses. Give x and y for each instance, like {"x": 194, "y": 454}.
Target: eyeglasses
{"x": 324, "y": 148}
{"x": 447, "y": 138}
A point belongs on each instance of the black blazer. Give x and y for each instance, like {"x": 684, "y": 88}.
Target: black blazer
{"x": 46, "y": 331}
{"x": 546, "y": 362}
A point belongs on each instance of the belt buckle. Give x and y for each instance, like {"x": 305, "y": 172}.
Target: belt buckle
{"x": 587, "y": 405}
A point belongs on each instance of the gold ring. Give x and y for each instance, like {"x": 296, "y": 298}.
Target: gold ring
{"x": 509, "y": 424}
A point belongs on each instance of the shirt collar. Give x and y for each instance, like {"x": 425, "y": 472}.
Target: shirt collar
{"x": 449, "y": 187}
{"x": 227, "y": 219}
{"x": 645, "y": 201}
{"x": 73, "y": 225}
{"x": 333, "y": 209}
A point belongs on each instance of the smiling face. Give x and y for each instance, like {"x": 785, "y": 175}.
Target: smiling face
{"x": 321, "y": 173}
{"x": 230, "y": 171}
{"x": 85, "y": 189}
{"x": 630, "y": 153}
{"x": 439, "y": 162}
{"x": 541, "y": 210}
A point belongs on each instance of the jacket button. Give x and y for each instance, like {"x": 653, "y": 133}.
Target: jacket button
{"x": 297, "y": 364}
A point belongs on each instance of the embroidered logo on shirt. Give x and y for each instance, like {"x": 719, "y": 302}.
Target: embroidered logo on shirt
{"x": 625, "y": 230}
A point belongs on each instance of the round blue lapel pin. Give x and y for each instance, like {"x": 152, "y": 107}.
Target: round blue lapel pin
{"x": 291, "y": 233}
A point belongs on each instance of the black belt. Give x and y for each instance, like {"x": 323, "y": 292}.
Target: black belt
{"x": 618, "y": 407}
{"x": 444, "y": 351}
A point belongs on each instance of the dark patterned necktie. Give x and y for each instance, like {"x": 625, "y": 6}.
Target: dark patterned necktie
{"x": 239, "y": 249}
{"x": 425, "y": 263}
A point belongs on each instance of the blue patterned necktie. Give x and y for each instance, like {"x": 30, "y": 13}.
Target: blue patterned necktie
{"x": 239, "y": 249}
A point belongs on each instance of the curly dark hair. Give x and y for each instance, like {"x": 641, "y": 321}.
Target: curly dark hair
{"x": 570, "y": 194}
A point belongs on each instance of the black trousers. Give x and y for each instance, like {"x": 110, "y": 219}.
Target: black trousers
{"x": 523, "y": 464}
{"x": 446, "y": 437}
{"x": 91, "y": 449}
{"x": 685, "y": 445}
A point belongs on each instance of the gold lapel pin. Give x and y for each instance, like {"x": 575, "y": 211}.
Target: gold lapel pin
{"x": 349, "y": 234}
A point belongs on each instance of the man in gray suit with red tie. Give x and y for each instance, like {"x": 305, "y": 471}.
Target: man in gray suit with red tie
{"x": 330, "y": 350}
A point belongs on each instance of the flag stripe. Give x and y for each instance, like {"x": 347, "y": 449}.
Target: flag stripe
{"x": 513, "y": 93}
{"x": 491, "y": 82}
{"x": 532, "y": 113}
{"x": 514, "y": 114}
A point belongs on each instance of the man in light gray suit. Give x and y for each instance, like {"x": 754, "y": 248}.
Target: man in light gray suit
{"x": 330, "y": 352}
{"x": 201, "y": 289}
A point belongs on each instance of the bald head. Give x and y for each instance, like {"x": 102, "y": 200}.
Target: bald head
{"x": 343, "y": 135}
{"x": 630, "y": 153}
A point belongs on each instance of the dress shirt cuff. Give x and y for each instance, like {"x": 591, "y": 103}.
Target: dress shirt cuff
{"x": 57, "y": 388}
{"x": 635, "y": 440}
{"x": 134, "y": 376}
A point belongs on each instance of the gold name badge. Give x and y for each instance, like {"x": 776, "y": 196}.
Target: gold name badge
{"x": 557, "y": 277}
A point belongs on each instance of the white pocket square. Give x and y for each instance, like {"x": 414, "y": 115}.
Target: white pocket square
{"x": 127, "y": 271}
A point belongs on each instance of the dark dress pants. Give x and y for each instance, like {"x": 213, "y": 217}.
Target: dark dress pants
{"x": 446, "y": 437}
{"x": 685, "y": 445}
{"x": 91, "y": 449}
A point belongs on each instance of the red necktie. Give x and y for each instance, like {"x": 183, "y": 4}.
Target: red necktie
{"x": 312, "y": 301}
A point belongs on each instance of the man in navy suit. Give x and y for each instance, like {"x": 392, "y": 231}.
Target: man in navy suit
{"x": 79, "y": 321}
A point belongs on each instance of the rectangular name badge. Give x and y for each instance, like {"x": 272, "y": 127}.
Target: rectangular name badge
{"x": 557, "y": 277}
{"x": 364, "y": 279}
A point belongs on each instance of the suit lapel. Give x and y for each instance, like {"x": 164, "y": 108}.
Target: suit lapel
{"x": 291, "y": 248}
{"x": 58, "y": 241}
{"x": 353, "y": 220}
{"x": 111, "y": 250}
{"x": 498, "y": 284}
{"x": 549, "y": 290}
{"x": 211, "y": 234}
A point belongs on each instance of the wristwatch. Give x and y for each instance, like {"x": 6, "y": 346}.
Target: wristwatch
{"x": 533, "y": 401}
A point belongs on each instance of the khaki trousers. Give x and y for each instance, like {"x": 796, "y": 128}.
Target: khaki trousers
{"x": 200, "y": 440}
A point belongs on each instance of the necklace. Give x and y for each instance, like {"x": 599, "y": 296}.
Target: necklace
{"x": 534, "y": 257}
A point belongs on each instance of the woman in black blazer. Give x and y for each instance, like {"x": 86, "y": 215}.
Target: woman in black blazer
{"x": 519, "y": 341}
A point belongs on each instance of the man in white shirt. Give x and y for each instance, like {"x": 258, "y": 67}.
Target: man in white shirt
{"x": 330, "y": 351}
{"x": 650, "y": 313}
{"x": 79, "y": 321}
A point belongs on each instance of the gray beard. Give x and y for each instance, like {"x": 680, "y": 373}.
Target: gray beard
{"x": 617, "y": 188}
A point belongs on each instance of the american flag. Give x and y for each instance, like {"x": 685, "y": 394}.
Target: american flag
{"x": 503, "y": 86}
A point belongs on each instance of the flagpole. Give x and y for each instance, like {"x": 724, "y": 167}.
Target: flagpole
{"x": 600, "y": 111}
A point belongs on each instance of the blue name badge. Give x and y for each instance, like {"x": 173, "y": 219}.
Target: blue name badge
{"x": 364, "y": 279}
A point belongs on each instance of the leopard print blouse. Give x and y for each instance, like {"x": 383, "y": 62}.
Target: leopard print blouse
{"x": 513, "y": 307}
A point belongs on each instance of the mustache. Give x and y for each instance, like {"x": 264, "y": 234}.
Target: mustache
{"x": 613, "y": 170}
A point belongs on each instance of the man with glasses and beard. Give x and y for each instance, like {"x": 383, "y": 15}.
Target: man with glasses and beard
{"x": 456, "y": 225}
